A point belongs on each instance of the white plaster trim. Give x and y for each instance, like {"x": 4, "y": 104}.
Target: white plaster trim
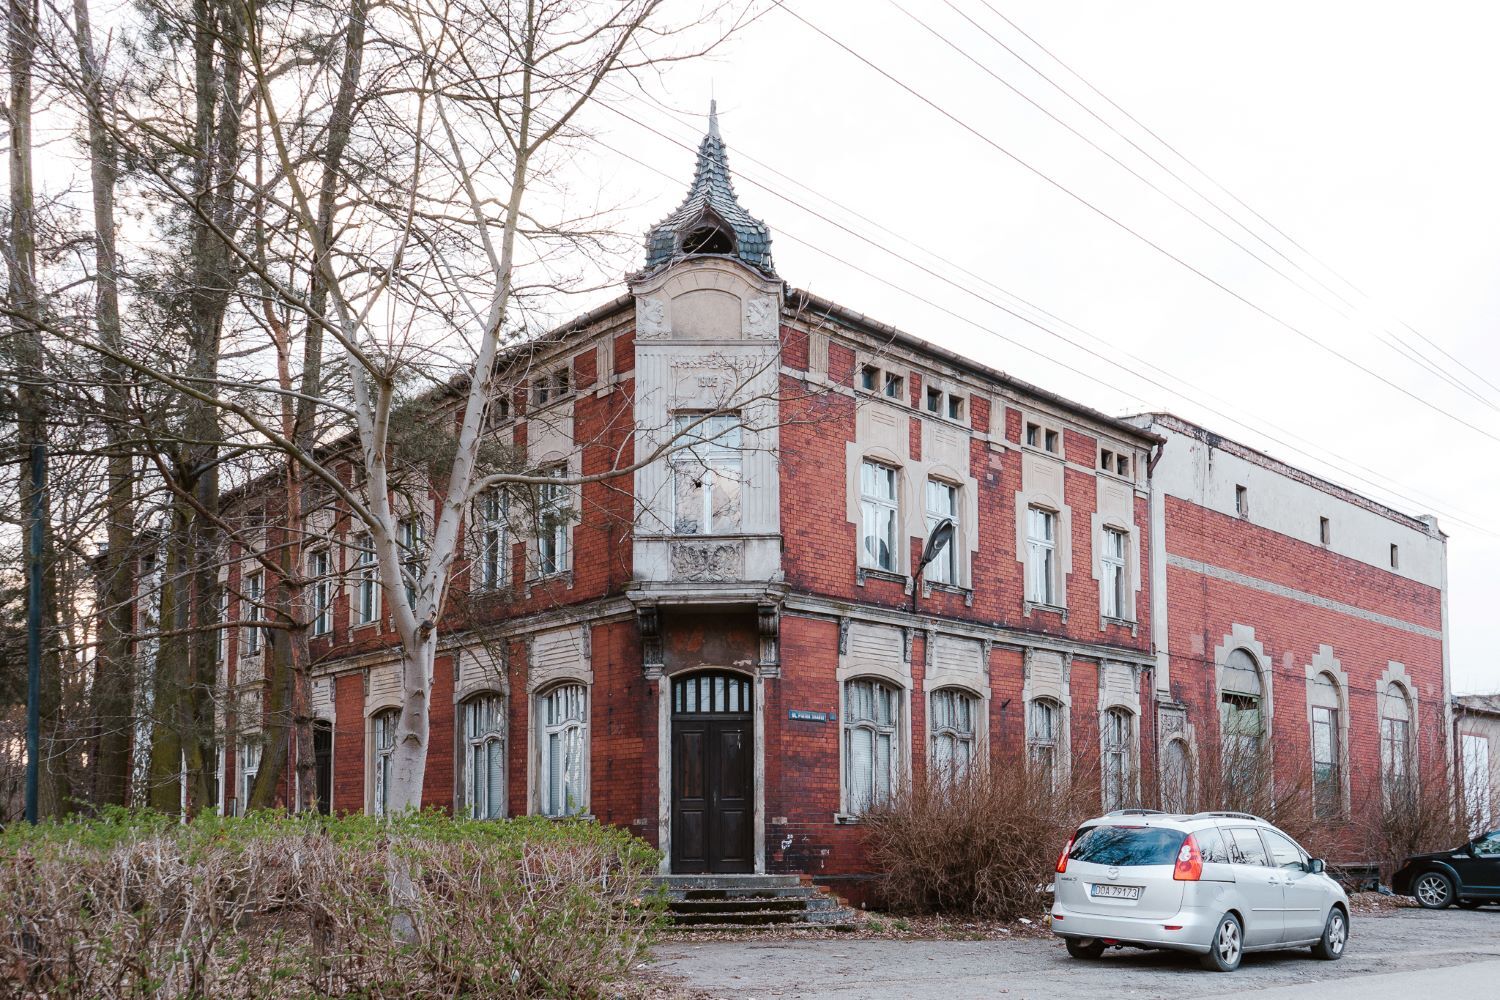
{"x": 1266, "y": 586}
{"x": 1324, "y": 662}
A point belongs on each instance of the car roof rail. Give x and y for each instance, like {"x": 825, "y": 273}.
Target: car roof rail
{"x": 1137, "y": 812}
{"x": 1226, "y": 814}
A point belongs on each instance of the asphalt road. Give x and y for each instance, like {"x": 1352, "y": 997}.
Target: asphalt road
{"x": 1443, "y": 955}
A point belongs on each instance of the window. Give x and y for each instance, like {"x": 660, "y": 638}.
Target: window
{"x": 484, "y": 756}
{"x": 249, "y": 768}
{"x": 322, "y": 592}
{"x": 551, "y": 385}
{"x": 1478, "y": 805}
{"x": 1050, "y": 441}
{"x": 1328, "y": 789}
{"x": 871, "y": 747}
{"x": 955, "y": 407}
{"x": 1106, "y": 460}
{"x": 1245, "y": 848}
{"x": 1034, "y": 435}
{"x": 1284, "y": 853}
{"x": 934, "y": 400}
{"x": 382, "y": 746}
{"x": 500, "y": 408}
{"x": 893, "y": 385}
{"x": 1240, "y": 724}
{"x": 877, "y": 502}
{"x": 1112, "y": 563}
{"x": 1122, "y": 465}
{"x": 255, "y": 588}
{"x": 1242, "y": 501}
{"x": 1119, "y": 770}
{"x": 552, "y": 523}
{"x": 1176, "y": 777}
{"x": 366, "y": 587}
{"x": 492, "y": 525}
{"x": 1043, "y": 734}
{"x": 707, "y": 475}
{"x": 1325, "y": 532}
{"x": 1395, "y": 742}
{"x": 410, "y": 532}
{"x": 563, "y": 732}
{"x": 951, "y": 717}
{"x": 942, "y": 502}
{"x": 1395, "y": 556}
{"x": 1041, "y": 556}
{"x": 869, "y": 378}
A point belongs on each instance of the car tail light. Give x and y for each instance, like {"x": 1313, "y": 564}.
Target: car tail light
{"x": 1189, "y": 867}
{"x": 1062, "y": 859}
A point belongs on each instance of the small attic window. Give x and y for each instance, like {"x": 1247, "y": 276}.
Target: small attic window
{"x": 708, "y": 239}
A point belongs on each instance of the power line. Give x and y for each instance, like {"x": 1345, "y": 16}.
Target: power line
{"x": 998, "y": 335}
{"x": 1197, "y": 169}
{"x": 1042, "y": 175}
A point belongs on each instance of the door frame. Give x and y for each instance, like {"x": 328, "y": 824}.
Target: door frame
{"x": 664, "y": 760}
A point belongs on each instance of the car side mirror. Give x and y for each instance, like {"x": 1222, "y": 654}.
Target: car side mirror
{"x": 1316, "y": 866}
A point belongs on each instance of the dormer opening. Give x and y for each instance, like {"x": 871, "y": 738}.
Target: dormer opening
{"x": 709, "y": 235}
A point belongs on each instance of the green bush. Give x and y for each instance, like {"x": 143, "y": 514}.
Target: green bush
{"x": 135, "y": 905}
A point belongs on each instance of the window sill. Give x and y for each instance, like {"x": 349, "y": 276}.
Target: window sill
{"x": 847, "y": 819}
{"x": 864, "y": 573}
{"x": 363, "y": 625}
{"x": 1054, "y": 609}
{"x": 967, "y": 593}
{"x": 1106, "y": 620}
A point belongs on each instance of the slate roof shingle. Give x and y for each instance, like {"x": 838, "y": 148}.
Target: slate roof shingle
{"x": 711, "y": 194}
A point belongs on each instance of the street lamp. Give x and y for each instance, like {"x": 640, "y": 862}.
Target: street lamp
{"x": 939, "y": 538}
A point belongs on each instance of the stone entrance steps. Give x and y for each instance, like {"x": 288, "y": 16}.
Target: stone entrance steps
{"x": 751, "y": 902}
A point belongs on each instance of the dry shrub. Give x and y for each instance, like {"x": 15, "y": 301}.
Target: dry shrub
{"x": 303, "y": 907}
{"x": 982, "y": 846}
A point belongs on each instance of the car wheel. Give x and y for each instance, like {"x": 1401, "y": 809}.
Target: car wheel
{"x": 1227, "y": 947}
{"x": 1470, "y": 904}
{"x": 1330, "y": 947}
{"x": 1085, "y": 948}
{"x": 1434, "y": 891}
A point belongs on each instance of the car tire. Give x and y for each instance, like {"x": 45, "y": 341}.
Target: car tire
{"x": 1088, "y": 949}
{"x": 1434, "y": 891}
{"x": 1227, "y": 946}
{"x": 1330, "y": 947}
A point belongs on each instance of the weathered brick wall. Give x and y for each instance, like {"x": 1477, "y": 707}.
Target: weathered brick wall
{"x": 1202, "y": 611}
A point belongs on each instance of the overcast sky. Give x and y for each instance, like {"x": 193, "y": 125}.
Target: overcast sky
{"x": 1364, "y": 131}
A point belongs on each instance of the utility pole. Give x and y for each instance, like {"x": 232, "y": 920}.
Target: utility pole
{"x": 34, "y": 630}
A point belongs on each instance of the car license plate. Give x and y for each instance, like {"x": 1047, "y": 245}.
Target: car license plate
{"x": 1118, "y": 891}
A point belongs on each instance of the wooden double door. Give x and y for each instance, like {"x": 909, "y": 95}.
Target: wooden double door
{"x": 713, "y": 774}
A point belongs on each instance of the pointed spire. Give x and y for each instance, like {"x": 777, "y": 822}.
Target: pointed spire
{"x": 710, "y": 220}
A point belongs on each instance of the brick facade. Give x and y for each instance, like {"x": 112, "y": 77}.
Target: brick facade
{"x": 625, "y": 626}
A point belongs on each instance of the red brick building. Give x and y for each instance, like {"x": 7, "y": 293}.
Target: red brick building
{"x": 732, "y": 652}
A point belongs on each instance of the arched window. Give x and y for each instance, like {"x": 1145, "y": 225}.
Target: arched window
{"x": 1043, "y": 736}
{"x": 562, "y": 730}
{"x": 872, "y": 749}
{"x": 1327, "y": 747}
{"x": 484, "y": 756}
{"x": 382, "y": 744}
{"x": 1395, "y": 741}
{"x": 1240, "y": 706}
{"x": 1176, "y": 777}
{"x": 950, "y": 716}
{"x": 1119, "y": 759}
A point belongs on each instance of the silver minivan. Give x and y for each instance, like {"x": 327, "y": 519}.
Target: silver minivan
{"x": 1218, "y": 884}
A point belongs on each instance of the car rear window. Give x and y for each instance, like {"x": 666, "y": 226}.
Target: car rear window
{"x": 1123, "y": 846}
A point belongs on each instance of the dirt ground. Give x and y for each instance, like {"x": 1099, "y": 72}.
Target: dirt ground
{"x": 1451, "y": 951}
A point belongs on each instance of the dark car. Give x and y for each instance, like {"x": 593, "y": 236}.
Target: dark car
{"x": 1467, "y": 875}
